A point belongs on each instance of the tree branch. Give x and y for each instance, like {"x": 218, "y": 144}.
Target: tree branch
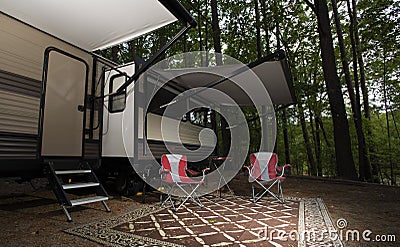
{"x": 312, "y": 6}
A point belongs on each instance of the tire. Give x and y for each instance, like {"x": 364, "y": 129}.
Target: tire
{"x": 121, "y": 184}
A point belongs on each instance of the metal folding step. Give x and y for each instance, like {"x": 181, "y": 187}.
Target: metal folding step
{"x": 62, "y": 172}
{"x": 86, "y": 200}
{"x": 67, "y": 178}
{"x": 79, "y": 185}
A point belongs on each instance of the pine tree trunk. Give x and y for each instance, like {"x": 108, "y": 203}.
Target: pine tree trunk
{"x": 363, "y": 157}
{"x": 314, "y": 171}
{"x": 258, "y": 31}
{"x": 312, "y": 168}
{"x": 216, "y": 30}
{"x": 199, "y": 27}
{"x": 344, "y": 156}
{"x": 225, "y": 132}
{"x": 114, "y": 53}
{"x": 285, "y": 136}
{"x": 318, "y": 155}
{"x": 132, "y": 49}
{"x": 284, "y": 116}
{"x": 278, "y": 40}
{"x": 357, "y": 59}
{"x": 392, "y": 179}
{"x": 206, "y": 33}
{"x": 312, "y": 123}
{"x": 163, "y": 40}
{"x": 265, "y": 22}
{"x": 363, "y": 84}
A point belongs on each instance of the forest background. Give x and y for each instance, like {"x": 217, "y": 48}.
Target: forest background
{"x": 344, "y": 61}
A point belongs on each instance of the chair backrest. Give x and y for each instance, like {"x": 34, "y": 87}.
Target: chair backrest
{"x": 264, "y": 166}
{"x": 176, "y": 163}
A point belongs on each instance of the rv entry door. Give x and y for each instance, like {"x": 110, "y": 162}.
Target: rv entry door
{"x": 63, "y": 104}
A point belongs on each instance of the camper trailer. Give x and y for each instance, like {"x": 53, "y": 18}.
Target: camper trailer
{"x": 52, "y": 86}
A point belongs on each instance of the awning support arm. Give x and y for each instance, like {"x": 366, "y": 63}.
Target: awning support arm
{"x": 153, "y": 59}
{"x": 179, "y": 11}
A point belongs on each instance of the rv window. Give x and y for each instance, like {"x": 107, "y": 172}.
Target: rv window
{"x": 117, "y": 102}
{"x": 201, "y": 117}
{"x": 185, "y": 117}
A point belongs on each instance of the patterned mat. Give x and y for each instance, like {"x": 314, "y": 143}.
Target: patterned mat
{"x": 226, "y": 221}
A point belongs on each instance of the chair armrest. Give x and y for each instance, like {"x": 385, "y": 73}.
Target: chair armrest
{"x": 282, "y": 169}
{"x": 220, "y": 158}
{"x": 249, "y": 167}
{"x": 204, "y": 172}
{"x": 193, "y": 173}
{"x": 163, "y": 170}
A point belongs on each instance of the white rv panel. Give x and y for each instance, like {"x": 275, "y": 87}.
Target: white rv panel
{"x": 113, "y": 140}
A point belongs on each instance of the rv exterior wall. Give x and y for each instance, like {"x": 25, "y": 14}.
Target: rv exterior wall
{"x": 19, "y": 113}
{"x": 23, "y": 48}
{"x": 118, "y": 127}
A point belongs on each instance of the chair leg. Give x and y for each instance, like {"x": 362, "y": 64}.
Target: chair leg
{"x": 195, "y": 198}
{"x": 168, "y": 198}
{"x": 278, "y": 197}
{"x": 190, "y": 196}
{"x": 252, "y": 193}
{"x": 259, "y": 195}
{"x": 280, "y": 192}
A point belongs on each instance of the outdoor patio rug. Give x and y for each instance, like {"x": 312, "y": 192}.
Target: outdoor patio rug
{"x": 226, "y": 221}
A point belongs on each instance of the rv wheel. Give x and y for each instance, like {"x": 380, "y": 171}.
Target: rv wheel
{"x": 135, "y": 186}
{"x": 121, "y": 184}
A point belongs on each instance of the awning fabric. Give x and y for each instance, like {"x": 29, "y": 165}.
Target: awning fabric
{"x": 274, "y": 75}
{"x": 276, "y": 78}
{"x": 91, "y": 24}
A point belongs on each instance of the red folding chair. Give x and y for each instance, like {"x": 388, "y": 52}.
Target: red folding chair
{"x": 263, "y": 170}
{"x": 174, "y": 176}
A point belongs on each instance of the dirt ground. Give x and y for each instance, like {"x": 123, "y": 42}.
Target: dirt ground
{"x": 30, "y": 215}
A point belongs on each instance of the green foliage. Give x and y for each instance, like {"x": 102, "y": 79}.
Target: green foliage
{"x": 380, "y": 31}
{"x": 383, "y": 154}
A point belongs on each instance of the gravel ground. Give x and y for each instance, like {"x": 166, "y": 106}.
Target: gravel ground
{"x": 30, "y": 215}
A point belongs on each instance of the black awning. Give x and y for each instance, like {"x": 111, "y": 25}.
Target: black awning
{"x": 273, "y": 72}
